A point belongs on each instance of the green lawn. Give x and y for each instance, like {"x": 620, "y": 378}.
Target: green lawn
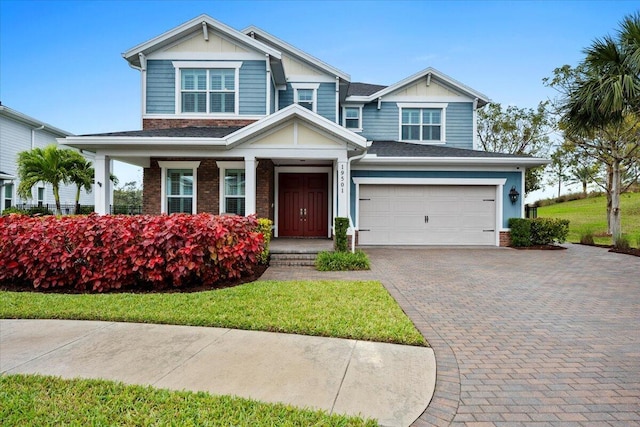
{"x": 361, "y": 310}
{"x": 33, "y": 400}
{"x": 590, "y": 215}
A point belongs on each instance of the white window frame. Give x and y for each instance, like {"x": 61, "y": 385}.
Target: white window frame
{"x": 344, "y": 117}
{"x": 309, "y": 86}
{"x": 166, "y": 165}
{"x": 223, "y": 166}
{"x": 207, "y": 65}
{"x": 11, "y": 187}
{"x": 421, "y": 106}
{"x": 41, "y": 201}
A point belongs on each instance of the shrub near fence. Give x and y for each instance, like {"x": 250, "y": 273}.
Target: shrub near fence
{"x": 538, "y": 231}
{"x": 106, "y": 252}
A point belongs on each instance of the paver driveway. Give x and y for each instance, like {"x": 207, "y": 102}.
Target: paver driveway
{"x": 522, "y": 337}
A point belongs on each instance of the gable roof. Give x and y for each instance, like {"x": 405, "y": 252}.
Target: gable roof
{"x": 363, "y": 89}
{"x": 432, "y": 73}
{"x": 30, "y": 121}
{"x": 283, "y": 46}
{"x": 188, "y": 28}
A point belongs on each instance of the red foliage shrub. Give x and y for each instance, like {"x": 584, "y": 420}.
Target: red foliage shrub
{"x": 109, "y": 252}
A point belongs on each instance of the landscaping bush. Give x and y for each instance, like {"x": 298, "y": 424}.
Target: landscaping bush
{"x": 538, "y": 231}
{"x": 104, "y": 252}
{"x": 342, "y": 261}
{"x": 621, "y": 242}
{"x": 264, "y": 228}
{"x": 14, "y": 210}
{"x": 586, "y": 238}
{"x": 340, "y": 228}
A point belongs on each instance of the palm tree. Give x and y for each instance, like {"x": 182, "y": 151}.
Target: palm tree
{"x": 49, "y": 164}
{"x": 81, "y": 174}
{"x": 606, "y": 97}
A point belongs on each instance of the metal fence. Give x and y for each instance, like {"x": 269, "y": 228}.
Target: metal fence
{"x": 530, "y": 211}
{"x": 67, "y": 209}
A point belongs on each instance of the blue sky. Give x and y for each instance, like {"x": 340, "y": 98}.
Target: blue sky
{"x": 60, "y": 61}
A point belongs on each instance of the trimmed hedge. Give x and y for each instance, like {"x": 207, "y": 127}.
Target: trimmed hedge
{"x": 341, "y": 226}
{"x": 109, "y": 252}
{"x": 538, "y": 231}
{"x": 342, "y": 261}
{"x": 264, "y": 228}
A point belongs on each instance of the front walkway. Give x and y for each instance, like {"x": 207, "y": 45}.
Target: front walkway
{"x": 520, "y": 337}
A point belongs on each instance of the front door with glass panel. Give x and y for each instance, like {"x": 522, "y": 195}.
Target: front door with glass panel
{"x": 303, "y": 205}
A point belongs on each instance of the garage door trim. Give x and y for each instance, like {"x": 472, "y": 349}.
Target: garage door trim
{"x": 497, "y": 182}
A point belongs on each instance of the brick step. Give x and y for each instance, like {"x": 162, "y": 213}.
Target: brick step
{"x": 292, "y": 260}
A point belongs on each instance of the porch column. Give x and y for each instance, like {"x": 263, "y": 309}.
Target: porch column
{"x": 102, "y": 167}
{"x": 343, "y": 181}
{"x": 249, "y": 185}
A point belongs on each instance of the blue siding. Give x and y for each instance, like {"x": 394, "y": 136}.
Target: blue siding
{"x": 253, "y": 88}
{"x": 383, "y": 125}
{"x": 327, "y": 101}
{"x": 460, "y": 125}
{"x": 161, "y": 87}
{"x": 508, "y": 210}
{"x": 326, "y": 98}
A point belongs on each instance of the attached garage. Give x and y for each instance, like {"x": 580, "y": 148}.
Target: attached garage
{"x": 400, "y": 214}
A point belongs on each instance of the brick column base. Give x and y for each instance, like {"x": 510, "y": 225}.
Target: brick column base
{"x": 505, "y": 238}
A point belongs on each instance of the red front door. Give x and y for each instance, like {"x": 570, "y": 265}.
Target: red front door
{"x": 303, "y": 205}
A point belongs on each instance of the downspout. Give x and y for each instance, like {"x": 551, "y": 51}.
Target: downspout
{"x": 351, "y": 225}
{"x": 33, "y": 136}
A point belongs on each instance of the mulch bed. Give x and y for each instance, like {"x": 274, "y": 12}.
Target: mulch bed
{"x": 258, "y": 271}
{"x": 539, "y": 247}
{"x": 630, "y": 251}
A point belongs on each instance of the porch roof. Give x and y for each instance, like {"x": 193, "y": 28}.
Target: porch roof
{"x": 185, "y": 132}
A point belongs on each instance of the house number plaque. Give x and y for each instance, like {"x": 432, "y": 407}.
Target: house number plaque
{"x": 343, "y": 178}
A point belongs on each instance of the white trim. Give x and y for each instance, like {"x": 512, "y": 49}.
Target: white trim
{"x": 180, "y": 116}
{"x": 406, "y": 98}
{"x": 222, "y": 168}
{"x": 304, "y": 78}
{"x": 306, "y": 86}
{"x": 497, "y": 182}
{"x": 421, "y": 106}
{"x": 168, "y": 164}
{"x": 268, "y": 86}
{"x": 303, "y": 169}
{"x": 522, "y": 192}
{"x": 222, "y": 56}
{"x": 292, "y": 50}
{"x": 206, "y": 65}
{"x": 344, "y": 116}
{"x": 528, "y": 161}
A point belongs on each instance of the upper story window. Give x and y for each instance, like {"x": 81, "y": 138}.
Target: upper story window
{"x": 306, "y": 94}
{"x": 352, "y": 118}
{"x": 422, "y": 124}
{"x": 207, "y": 87}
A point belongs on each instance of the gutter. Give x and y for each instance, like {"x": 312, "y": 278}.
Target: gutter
{"x": 351, "y": 225}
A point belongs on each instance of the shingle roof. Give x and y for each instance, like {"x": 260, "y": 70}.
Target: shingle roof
{"x": 186, "y": 132}
{"x": 405, "y": 149}
{"x": 363, "y": 89}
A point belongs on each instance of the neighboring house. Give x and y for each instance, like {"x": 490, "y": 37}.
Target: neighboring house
{"x": 19, "y": 132}
{"x": 242, "y": 122}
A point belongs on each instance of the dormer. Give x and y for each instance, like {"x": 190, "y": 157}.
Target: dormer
{"x": 204, "y": 72}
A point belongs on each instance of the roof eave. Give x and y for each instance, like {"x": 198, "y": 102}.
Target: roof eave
{"x": 30, "y": 121}
{"x": 101, "y": 142}
{"x": 487, "y": 161}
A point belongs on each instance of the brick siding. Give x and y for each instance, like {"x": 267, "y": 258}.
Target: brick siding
{"x": 265, "y": 189}
{"x": 505, "y": 238}
{"x": 182, "y": 123}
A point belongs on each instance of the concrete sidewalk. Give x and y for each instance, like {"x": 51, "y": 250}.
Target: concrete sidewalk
{"x": 388, "y": 382}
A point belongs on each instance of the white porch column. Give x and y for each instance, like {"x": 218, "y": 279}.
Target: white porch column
{"x": 343, "y": 182}
{"x": 249, "y": 185}
{"x": 102, "y": 167}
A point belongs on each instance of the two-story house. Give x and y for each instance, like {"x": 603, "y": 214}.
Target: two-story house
{"x": 19, "y": 132}
{"x": 242, "y": 122}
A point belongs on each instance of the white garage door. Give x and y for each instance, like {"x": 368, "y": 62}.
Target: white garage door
{"x": 427, "y": 215}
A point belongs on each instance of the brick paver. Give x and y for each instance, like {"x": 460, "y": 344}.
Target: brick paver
{"x": 521, "y": 337}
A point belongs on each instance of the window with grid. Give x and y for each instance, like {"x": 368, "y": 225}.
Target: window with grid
{"x": 352, "y": 118}
{"x": 421, "y": 124}
{"x": 179, "y": 191}
{"x": 305, "y": 98}
{"x": 208, "y": 90}
{"x": 8, "y": 196}
{"x": 234, "y": 191}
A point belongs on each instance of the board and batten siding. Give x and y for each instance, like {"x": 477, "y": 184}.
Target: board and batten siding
{"x": 383, "y": 124}
{"x": 16, "y": 137}
{"x": 161, "y": 87}
{"x": 326, "y": 100}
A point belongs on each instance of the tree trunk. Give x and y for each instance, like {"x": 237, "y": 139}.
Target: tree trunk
{"x": 559, "y": 186}
{"x": 78, "y": 200}
{"x": 609, "y": 197}
{"x": 584, "y": 188}
{"x": 56, "y": 197}
{"x": 614, "y": 214}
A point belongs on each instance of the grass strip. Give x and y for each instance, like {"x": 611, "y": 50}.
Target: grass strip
{"x": 361, "y": 310}
{"x": 34, "y": 400}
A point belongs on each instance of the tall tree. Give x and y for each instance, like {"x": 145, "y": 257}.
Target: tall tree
{"x": 601, "y": 106}
{"x": 81, "y": 174}
{"x": 50, "y": 165}
{"x": 516, "y": 130}
{"x": 560, "y": 166}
